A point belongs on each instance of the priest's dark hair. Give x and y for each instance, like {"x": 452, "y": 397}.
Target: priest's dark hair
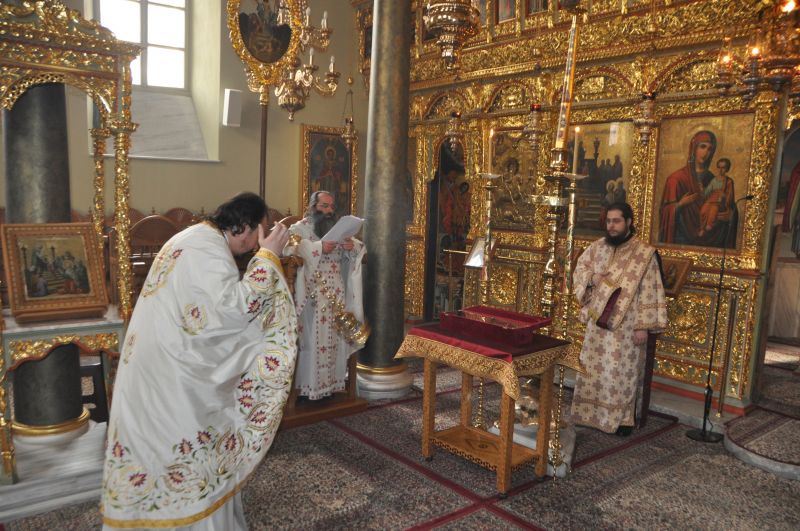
{"x": 242, "y": 210}
{"x": 627, "y": 212}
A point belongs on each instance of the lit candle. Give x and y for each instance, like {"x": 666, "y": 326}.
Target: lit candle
{"x": 308, "y": 15}
{"x": 311, "y": 57}
{"x": 330, "y": 66}
{"x": 575, "y": 150}
{"x": 324, "y": 20}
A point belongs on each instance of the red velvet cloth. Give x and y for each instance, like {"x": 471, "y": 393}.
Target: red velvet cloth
{"x": 495, "y": 324}
{"x": 485, "y": 347}
{"x": 602, "y": 321}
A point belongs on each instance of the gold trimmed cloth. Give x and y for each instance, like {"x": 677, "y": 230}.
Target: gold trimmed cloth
{"x": 504, "y": 365}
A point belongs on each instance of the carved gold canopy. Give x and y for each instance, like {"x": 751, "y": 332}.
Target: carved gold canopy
{"x": 46, "y": 42}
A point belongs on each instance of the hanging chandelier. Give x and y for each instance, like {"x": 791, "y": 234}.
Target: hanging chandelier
{"x": 298, "y": 79}
{"x": 773, "y": 53}
{"x": 452, "y": 22}
{"x": 455, "y": 131}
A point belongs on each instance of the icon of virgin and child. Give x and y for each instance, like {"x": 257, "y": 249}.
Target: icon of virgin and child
{"x": 698, "y": 204}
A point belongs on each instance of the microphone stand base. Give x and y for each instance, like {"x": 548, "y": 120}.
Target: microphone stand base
{"x": 704, "y": 436}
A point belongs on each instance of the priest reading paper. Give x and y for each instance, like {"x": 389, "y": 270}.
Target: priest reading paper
{"x": 330, "y": 276}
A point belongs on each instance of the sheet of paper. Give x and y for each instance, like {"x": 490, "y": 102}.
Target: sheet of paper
{"x": 346, "y": 227}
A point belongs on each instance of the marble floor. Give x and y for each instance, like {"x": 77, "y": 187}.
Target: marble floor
{"x": 54, "y": 476}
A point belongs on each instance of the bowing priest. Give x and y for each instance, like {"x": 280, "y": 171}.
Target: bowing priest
{"x": 203, "y": 376}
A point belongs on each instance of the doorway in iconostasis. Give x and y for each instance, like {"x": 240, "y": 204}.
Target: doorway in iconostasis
{"x": 447, "y": 225}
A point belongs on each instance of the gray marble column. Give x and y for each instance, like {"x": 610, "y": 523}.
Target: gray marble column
{"x": 48, "y": 391}
{"x": 37, "y": 157}
{"x": 379, "y": 376}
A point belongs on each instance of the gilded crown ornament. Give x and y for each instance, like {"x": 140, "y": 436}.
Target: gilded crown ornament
{"x": 452, "y": 22}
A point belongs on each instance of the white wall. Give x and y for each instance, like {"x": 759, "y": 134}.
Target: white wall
{"x": 162, "y": 184}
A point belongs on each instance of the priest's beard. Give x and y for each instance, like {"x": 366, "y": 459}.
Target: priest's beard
{"x": 618, "y": 240}
{"x": 323, "y": 223}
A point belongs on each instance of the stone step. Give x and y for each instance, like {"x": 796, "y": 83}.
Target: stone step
{"x": 764, "y": 439}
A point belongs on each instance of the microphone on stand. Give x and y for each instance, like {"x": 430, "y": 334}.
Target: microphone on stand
{"x": 703, "y": 435}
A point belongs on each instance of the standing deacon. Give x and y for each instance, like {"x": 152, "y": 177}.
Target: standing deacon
{"x": 203, "y": 376}
{"x": 331, "y": 274}
{"x": 619, "y": 288}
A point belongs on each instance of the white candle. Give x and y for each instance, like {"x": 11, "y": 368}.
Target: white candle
{"x": 308, "y": 15}
{"x": 311, "y": 56}
{"x": 577, "y": 138}
{"x": 324, "y": 20}
{"x": 331, "y": 66}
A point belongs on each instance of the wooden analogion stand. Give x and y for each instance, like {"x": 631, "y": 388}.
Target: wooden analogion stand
{"x": 498, "y": 362}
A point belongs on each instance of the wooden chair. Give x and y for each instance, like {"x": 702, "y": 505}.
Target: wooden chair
{"x": 342, "y": 403}
{"x": 274, "y": 215}
{"x": 134, "y": 215}
{"x": 181, "y": 217}
{"x": 76, "y": 216}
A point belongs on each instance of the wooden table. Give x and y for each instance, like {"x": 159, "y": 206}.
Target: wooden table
{"x": 502, "y": 364}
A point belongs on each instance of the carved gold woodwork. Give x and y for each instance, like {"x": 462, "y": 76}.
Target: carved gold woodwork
{"x": 364, "y": 25}
{"x": 415, "y": 276}
{"x": 618, "y": 60}
{"x": 22, "y": 350}
{"x": 45, "y": 42}
{"x": 261, "y": 74}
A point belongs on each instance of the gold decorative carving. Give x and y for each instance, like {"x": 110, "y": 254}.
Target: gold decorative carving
{"x": 99, "y": 136}
{"x": 618, "y": 59}
{"x": 414, "y": 277}
{"x": 364, "y": 25}
{"x": 505, "y": 284}
{"x": 443, "y": 104}
{"x": 695, "y": 73}
{"x": 511, "y": 96}
{"x": 25, "y": 349}
{"x": 683, "y": 24}
{"x": 262, "y": 74}
{"x": 688, "y": 318}
{"x": 45, "y": 42}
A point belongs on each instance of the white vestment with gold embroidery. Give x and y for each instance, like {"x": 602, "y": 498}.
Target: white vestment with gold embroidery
{"x": 322, "y": 363}
{"x": 202, "y": 381}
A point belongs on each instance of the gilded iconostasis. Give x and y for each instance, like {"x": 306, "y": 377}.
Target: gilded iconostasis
{"x": 648, "y": 100}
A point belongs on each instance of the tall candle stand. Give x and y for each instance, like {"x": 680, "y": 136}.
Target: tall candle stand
{"x": 558, "y": 177}
{"x": 489, "y": 188}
